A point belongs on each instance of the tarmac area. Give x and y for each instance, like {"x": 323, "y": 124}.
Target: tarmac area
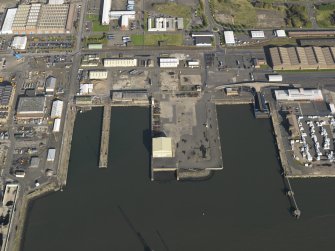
{"x": 192, "y": 125}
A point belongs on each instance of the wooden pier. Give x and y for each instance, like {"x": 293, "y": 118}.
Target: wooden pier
{"x": 104, "y": 143}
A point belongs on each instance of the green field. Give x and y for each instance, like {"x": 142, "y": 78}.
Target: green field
{"x": 96, "y": 25}
{"x": 175, "y": 10}
{"x": 324, "y": 14}
{"x": 153, "y": 39}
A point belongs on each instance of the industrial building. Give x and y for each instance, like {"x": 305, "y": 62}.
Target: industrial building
{"x": 312, "y": 33}
{"x": 299, "y": 95}
{"x": 122, "y": 15}
{"x": 34, "y": 162}
{"x": 300, "y": 58}
{"x": 51, "y": 154}
{"x": 19, "y": 43}
{"x": 168, "y": 62}
{"x": 86, "y": 89}
{"x": 162, "y": 147}
{"x": 91, "y": 60}
{"x": 57, "y": 109}
{"x": 95, "y": 46}
{"x": 6, "y": 95}
{"x": 257, "y": 34}
{"x": 280, "y": 33}
{"x": 229, "y": 37}
{"x": 39, "y": 19}
{"x": 203, "y": 41}
{"x": 8, "y": 21}
{"x": 165, "y": 24}
{"x": 120, "y": 62}
{"x": 193, "y": 63}
{"x": 50, "y": 85}
{"x": 98, "y": 74}
{"x": 31, "y": 107}
{"x": 56, "y": 126}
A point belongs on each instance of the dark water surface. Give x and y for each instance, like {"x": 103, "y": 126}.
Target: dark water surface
{"x": 242, "y": 207}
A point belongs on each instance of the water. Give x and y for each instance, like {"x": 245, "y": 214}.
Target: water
{"x": 242, "y": 207}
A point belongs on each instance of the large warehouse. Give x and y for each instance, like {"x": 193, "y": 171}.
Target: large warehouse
{"x": 299, "y": 95}
{"x": 39, "y": 19}
{"x": 301, "y": 58}
{"x": 162, "y": 147}
{"x": 31, "y": 107}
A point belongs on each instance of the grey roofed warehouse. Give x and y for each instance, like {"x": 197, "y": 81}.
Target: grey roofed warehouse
{"x": 31, "y": 107}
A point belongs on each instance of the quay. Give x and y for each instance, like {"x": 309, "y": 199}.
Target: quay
{"x": 104, "y": 143}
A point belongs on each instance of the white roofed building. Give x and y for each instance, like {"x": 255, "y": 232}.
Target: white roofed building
{"x": 50, "y": 84}
{"x": 120, "y": 62}
{"x": 56, "y": 2}
{"x": 280, "y": 33}
{"x": 257, "y": 34}
{"x": 51, "y": 154}
{"x": 19, "y": 43}
{"x": 57, "y": 109}
{"x": 86, "y": 89}
{"x": 105, "y": 12}
{"x": 168, "y": 62}
{"x": 8, "y": 22}
{"x": 56, "y": 127}
{"x": 299, "y": 95}
{"x": 162, "y": 147}
{"x": 98, "y": 74}
{"x": 229, "y": 37}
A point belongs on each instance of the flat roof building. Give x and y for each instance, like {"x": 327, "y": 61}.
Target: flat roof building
{"x": 257, "y": 34}
{"x": 95, "y": 46}
{"x": 165, "y": 24}
{"x": 168, "y": 62}
{"x": 51, "y": 154}
{"x": 19, "y": 43}
{"x": 299, "y": 95}
{"x": 57, "y": 109}
{"x": 105, "y": 12}
{"x": 280, "y": 33}
{"x": 34, "y": 162}
{"x": 96, "y": 74}
{"x": 203, "y": 41}
{"x": 229, "y": 37}
{"x": 8, "y": 23}
{"x": 50, "y": 85}
{"x": 31, "y": 107}
{"x": 120, "y": 62}
{"x": 162, "y": 147}
{"x": 56, "y": 126}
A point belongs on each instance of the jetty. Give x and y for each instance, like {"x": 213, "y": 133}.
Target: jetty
{"x": 104, "y": 142}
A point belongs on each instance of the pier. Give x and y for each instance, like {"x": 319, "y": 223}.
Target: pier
{"x": 104, "y": 143}
{"x": 296, "y": 212}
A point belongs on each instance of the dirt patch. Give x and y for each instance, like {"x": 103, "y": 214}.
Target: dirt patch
{"x": 270, "y": 18}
